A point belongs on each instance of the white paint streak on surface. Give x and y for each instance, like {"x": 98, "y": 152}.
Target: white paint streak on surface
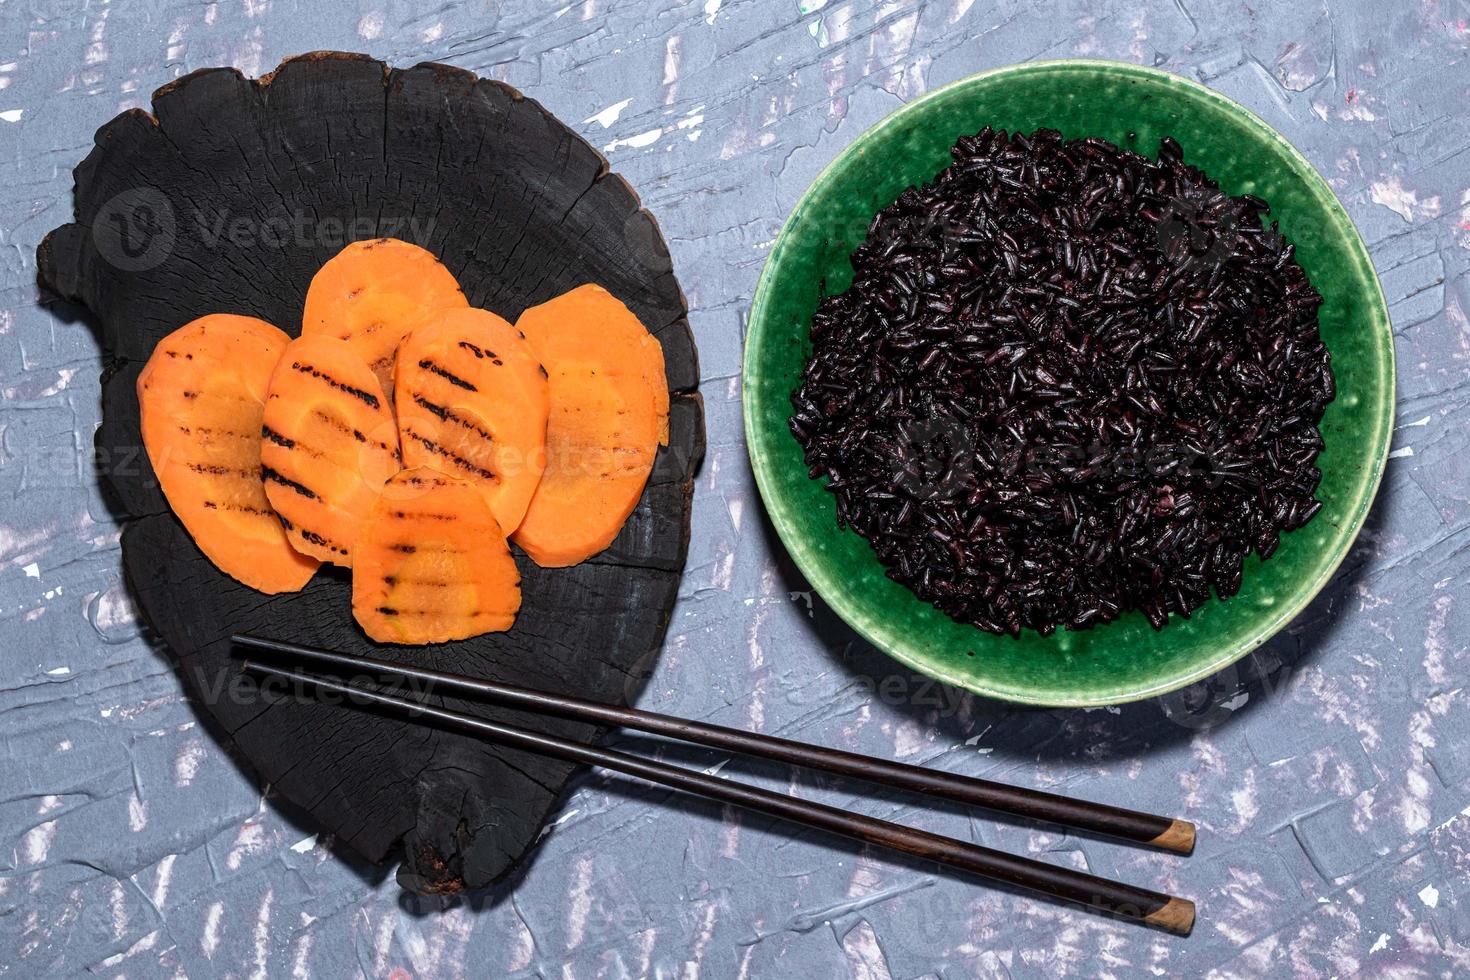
{"x": 137, "y": 814}
{"x": 370, "y": 25}
{"x": 165, "y": 876}
{"x": 525, "y": 943}
{"x": 908, "y": 738}
{"x": 186, "y": 766}
{"x": 36, "y": 843}
{"x": 209, "y": 941}
{"x": 250, "y": 839}
{"x": 756, "y": 661}
{"x": 117, "y": 902}
{"x": 692, "y": 121}
{"x": 701, "y": 941}
{"x": 143, "y": 945}
{"x": 673, "y": 57}
{"x": 1437, "y": 641}
{"x": 610, "y": 115}
{"x": 647, "y": 138}
{"x": 580, "y": 905}
{"x": 63, "y": 378}
{"x": 301, "y": 957}
{"x": 864, "y": 954}
{"x": 1392, "y": 194}
{"x": 558, "y": 822}
{"x": 724, "y": 572}
{"x": 262, "y": 935}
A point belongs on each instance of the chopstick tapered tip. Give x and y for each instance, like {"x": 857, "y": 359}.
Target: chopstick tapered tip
{"x": 1177, "y": 916}
{"x": 1179, "y": 838}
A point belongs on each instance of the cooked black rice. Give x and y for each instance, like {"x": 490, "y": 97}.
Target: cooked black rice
{"x": 1068, "y": 381}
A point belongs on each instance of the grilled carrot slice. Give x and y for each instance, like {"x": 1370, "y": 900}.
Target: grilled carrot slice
{"x": 371, "y": 293}
{"x": 609, "y": 414}
{"x": 328, "y": 444}
{"x": 201, "y": 397}
{"x": 472, "y": 401}
{"x": 431, "y": 564}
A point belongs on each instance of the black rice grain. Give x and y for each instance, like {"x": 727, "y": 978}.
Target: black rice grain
{"x": 1067, "y": 382}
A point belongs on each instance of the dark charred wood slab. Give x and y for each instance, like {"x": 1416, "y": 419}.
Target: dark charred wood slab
{"x": 228, "y": 198}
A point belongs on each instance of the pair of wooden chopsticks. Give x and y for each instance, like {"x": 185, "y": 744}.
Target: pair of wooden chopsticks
{"x": 1116, "y": 898}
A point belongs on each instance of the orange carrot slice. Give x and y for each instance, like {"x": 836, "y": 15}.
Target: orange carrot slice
{"x": 371, "y": 293}
{"x": 329, "y": 444}
{"x": 471, "y": 400}
{"x": 432, "y": 565}
{"x": 609, "y": 414}
{"x": 201, "y": 398}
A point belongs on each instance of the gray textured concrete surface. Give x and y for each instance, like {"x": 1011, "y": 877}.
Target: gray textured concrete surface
{"x": 1329, "y": 773}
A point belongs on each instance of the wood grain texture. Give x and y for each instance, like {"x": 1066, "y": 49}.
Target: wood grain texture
{"x": 234, "y": 192}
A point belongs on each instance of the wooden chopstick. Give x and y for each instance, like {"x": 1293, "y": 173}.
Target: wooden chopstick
{"x": 1131, "y": 825}
{"x": 1152, "y": 908}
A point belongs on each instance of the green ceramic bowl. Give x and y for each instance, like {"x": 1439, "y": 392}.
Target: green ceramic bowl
{"x": 1133, "y": 107}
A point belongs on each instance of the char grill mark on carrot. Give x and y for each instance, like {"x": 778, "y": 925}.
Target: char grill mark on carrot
{"x": 609, "y": 414}
{"x": 456, "y": 579}
{"x": 201, "y": 402}
{"x": 438, "y": 411}
{"x": 271, "y": 476}
{"x": 239, "y": 508}
{"x": 387, "y": 444}
{"x": 458, "y": 461}
{"x": 221, "y": 433}
{"x": 471, "y": 400}
{"x": 329, "y": 444}
{"x": 373, "y": 401}
{"x": 270, "y": 435}
{"x": 429, "y": 583}
{"x": 216, "y": 469}
{"x": 453, "y": 379}
{"x": 444, "y": 414}
{"x": 323, "y": 542}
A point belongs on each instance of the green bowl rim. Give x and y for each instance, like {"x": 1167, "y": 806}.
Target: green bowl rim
{"x": 1346, "y": 535}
